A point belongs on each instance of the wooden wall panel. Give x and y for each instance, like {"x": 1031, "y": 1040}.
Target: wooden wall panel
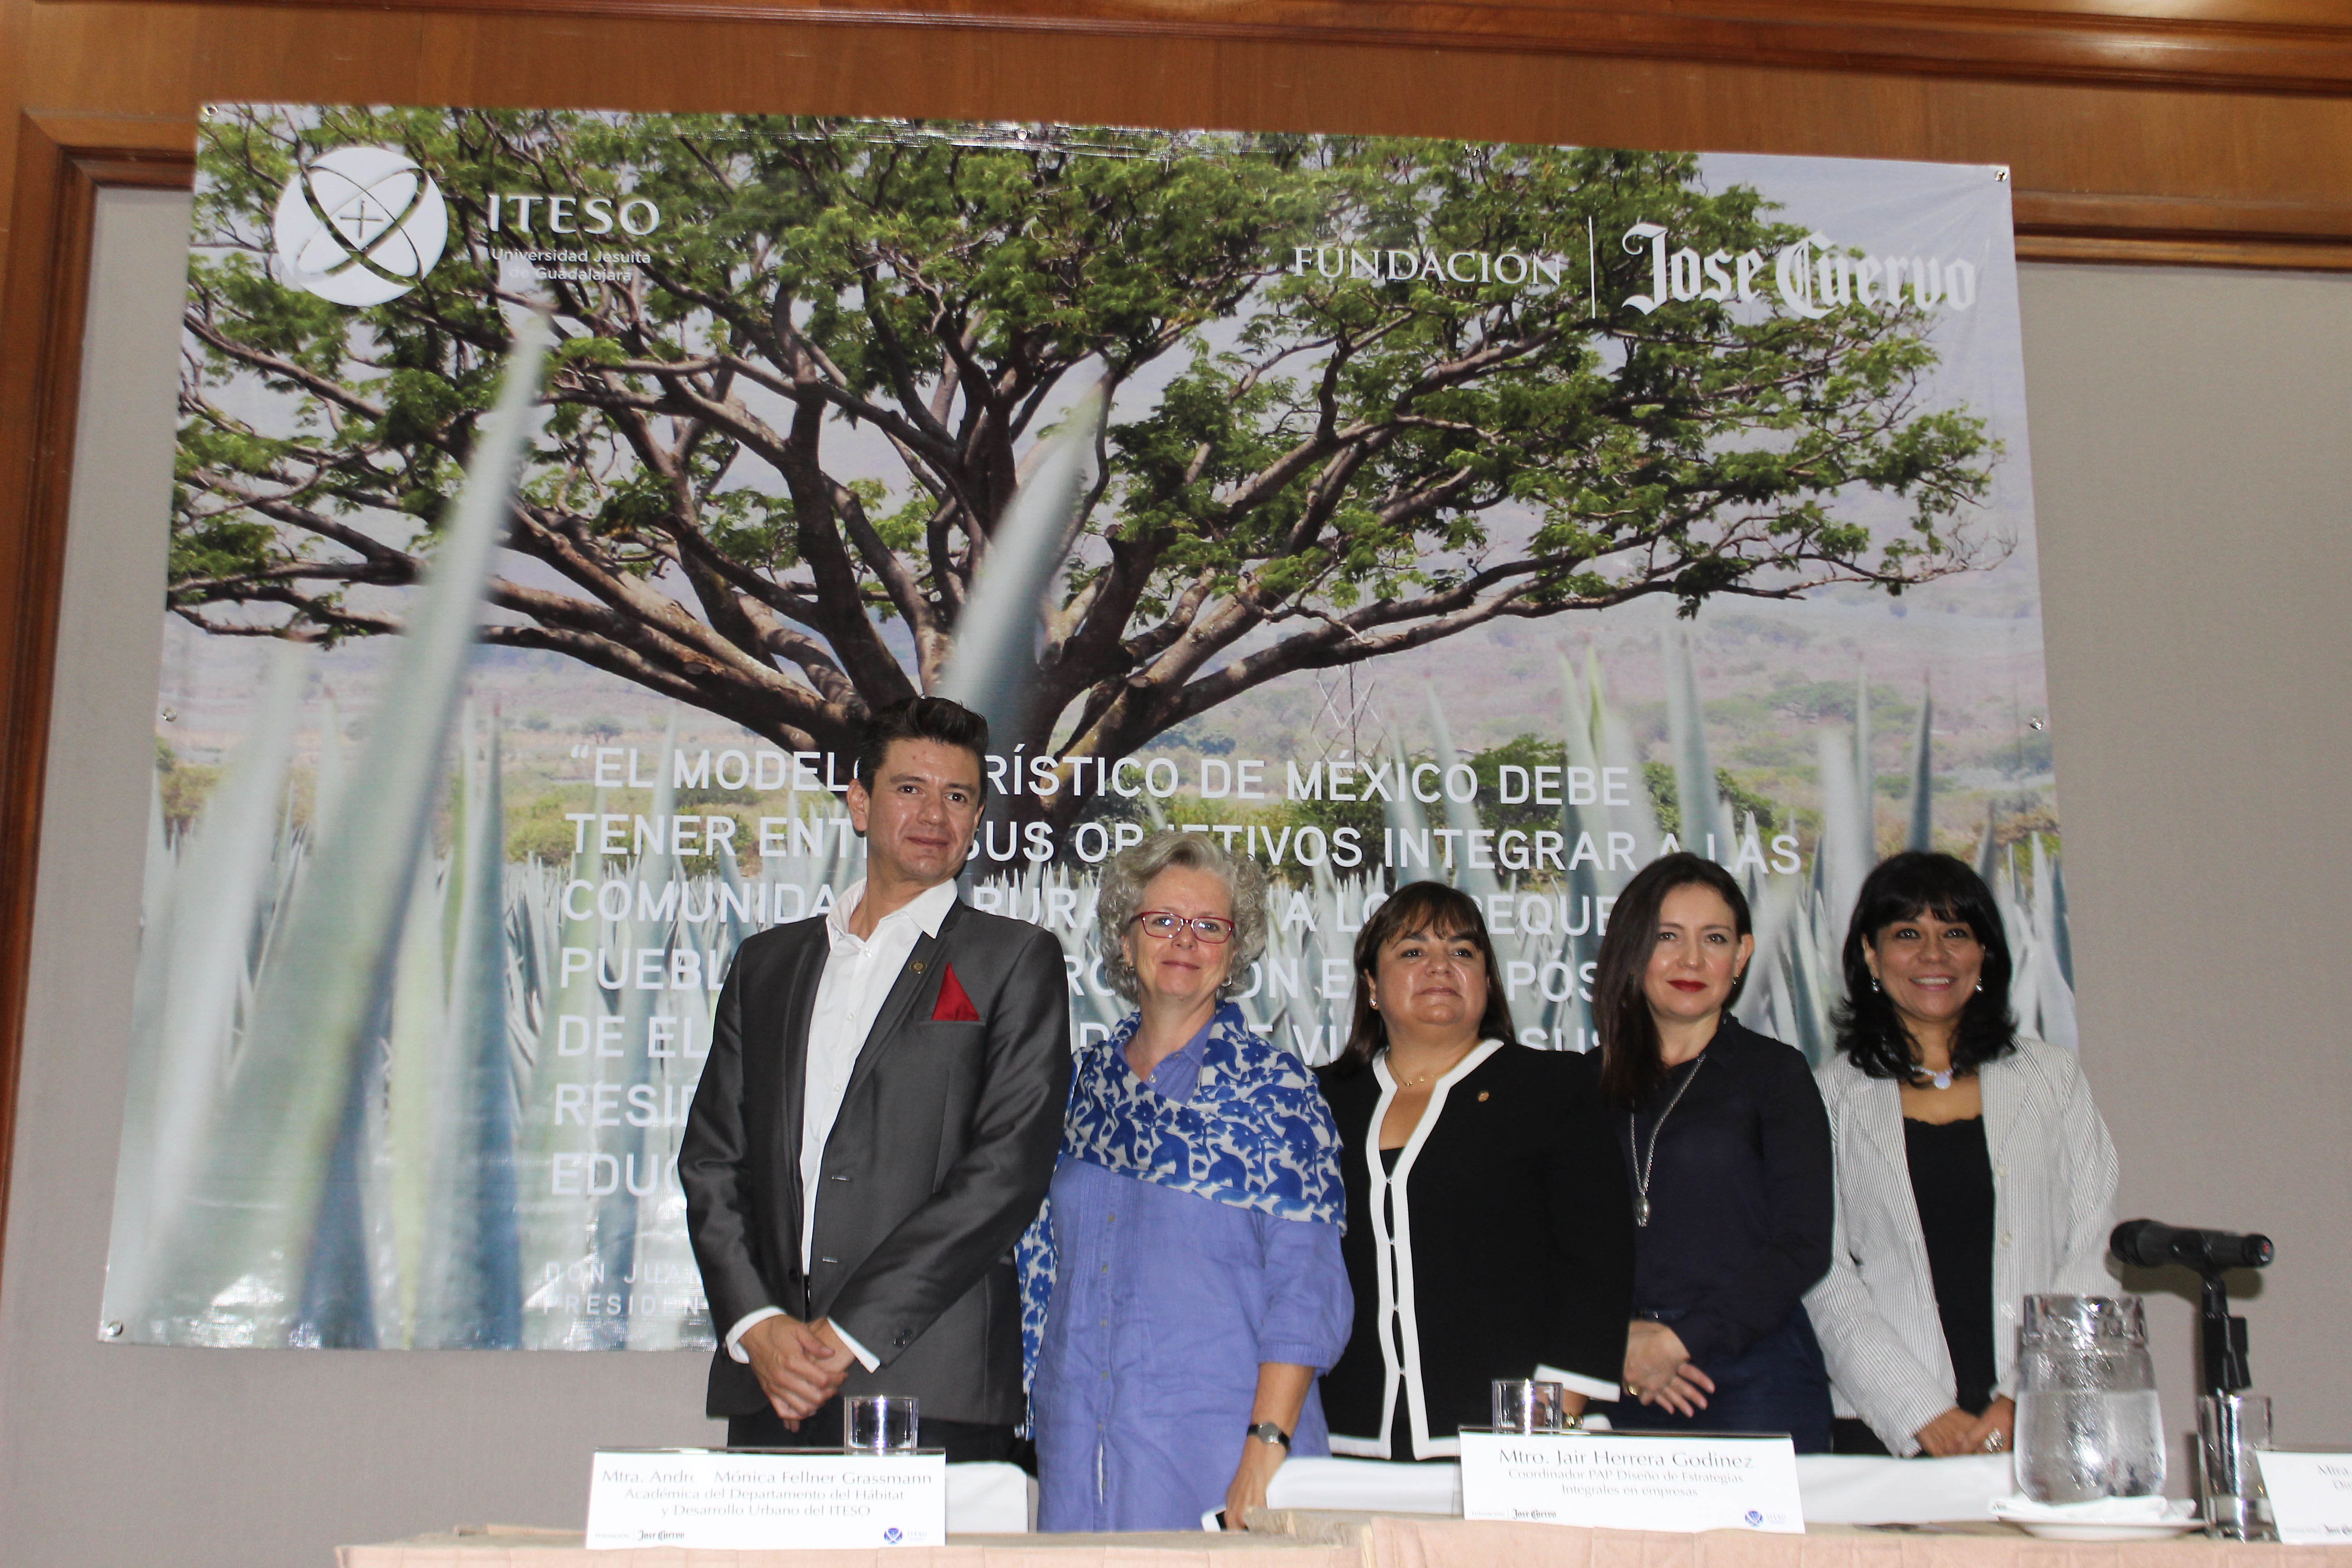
{"x": 2100, "y": 166}
{"x": 2207, "y": 132}
{"x": 13, "y": 43}
{"x": 2259, "y": 45}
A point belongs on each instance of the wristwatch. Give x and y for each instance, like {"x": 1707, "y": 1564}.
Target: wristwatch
{"x": 1267, "y": 1432}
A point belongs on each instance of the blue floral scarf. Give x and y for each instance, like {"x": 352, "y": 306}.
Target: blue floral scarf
{"x": 1256, "y": 1135}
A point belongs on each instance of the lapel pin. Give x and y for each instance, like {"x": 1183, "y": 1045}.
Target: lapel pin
{"x": 917, "y": 966}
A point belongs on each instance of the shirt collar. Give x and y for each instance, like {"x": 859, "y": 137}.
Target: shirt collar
{"x": 1178, "y": 1075}
{"x": 1196, "y": 1049}
{"x": 929, "y": 909}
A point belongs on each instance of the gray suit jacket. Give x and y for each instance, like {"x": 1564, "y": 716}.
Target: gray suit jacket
{"x": 938, "y": 1162}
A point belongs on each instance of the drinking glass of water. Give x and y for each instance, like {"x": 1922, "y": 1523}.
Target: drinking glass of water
{"x": 881, "y": 1423}
{"x": 1522, "y": 1404}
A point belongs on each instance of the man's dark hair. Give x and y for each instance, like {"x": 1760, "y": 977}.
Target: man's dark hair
{"x": 1633, "y": 1061}
{"x": 1919, "y": 884}
{"x": 921, "y": 719}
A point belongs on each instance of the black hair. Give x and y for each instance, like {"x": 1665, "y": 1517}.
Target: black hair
{"x": 1632, "y": 1060}
{"x": 921, "y": 719}
{"x": 1907, "y": 887}
{"x": 1441, "y": 911}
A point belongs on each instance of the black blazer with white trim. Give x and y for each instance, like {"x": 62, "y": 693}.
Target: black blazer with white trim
{"x": 1512, "y": 1246}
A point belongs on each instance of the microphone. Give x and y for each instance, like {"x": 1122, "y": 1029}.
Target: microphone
{"x": 2151, "y": 1245}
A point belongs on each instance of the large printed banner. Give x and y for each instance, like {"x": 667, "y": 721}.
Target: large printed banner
{"x": 1391, "y": 508}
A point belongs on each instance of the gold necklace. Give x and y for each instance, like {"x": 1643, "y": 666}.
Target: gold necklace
{"x": 1404, "y": 1083}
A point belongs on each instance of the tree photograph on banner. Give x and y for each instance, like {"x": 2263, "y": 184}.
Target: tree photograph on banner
{"x": 557, "y": 494}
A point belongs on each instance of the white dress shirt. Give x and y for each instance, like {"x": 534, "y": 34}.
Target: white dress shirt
{"x": 2053, "y": 1182}
{"x": 858, "y": 975}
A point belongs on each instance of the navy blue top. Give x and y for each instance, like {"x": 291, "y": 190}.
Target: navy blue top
{"x": 1741, "y": 1193}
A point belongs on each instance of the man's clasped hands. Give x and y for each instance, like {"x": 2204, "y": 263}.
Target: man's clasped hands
{"x": 799, "y": 1365}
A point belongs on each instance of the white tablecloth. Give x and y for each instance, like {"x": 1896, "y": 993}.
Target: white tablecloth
{"x": 1836, "y": 1489}
{"x": 1840, "y": 1490}
{"x": 1372, "y": 1486}
{"x": 991, "y": 1500}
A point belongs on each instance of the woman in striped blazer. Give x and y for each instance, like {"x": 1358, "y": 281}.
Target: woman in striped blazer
{"x": 1972, "y": 1171}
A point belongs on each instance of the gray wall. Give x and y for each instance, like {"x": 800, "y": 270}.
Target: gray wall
{"x": 2191, "y": 467}
{"x": 2189, "y": 452}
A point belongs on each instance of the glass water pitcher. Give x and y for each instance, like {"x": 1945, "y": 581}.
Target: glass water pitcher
{"x": 2087, "y": 1425}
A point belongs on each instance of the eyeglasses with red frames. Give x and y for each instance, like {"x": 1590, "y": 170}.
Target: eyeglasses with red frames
{"x": 1165, "y": 924}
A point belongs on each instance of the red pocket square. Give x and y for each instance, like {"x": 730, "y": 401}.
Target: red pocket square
{"x": 954, "y": 1007}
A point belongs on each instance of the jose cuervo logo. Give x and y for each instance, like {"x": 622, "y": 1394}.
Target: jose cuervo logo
{"x": 360, "y": 225}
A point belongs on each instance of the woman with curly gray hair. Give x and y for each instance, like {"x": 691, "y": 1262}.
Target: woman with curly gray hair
{"x": 1190, "y": 1275}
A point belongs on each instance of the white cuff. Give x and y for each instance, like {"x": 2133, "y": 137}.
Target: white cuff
{"x": 735, "y": 1335}
{"x": 866, "y": 1358}
{"x": 1577, "y": 1382}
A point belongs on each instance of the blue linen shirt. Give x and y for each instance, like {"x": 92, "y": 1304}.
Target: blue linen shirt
{"x": 1164, "y": 1303}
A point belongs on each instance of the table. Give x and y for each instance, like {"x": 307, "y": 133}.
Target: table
{"x": 1330, "y": 1539}
{"x": 1421, "y": 1542}
{"x": 498, "y": 1546}
{"x": 1837, "y": 1490}
{"x": 1358, "y": 1513}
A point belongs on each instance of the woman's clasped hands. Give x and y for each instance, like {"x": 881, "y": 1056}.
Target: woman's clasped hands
{"x": 1956, "y": 1432}
{"x": 1658, "y": 1370}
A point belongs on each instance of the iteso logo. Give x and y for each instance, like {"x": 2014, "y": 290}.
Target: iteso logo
{"x": 360, "y": 225}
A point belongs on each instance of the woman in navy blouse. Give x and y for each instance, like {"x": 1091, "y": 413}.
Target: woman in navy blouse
{"x": 1727, "y": 1148}
{"x": 1191, "y": 1281}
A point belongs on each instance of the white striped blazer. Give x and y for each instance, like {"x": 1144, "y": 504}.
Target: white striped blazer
{"x": 2053, "y": 1178}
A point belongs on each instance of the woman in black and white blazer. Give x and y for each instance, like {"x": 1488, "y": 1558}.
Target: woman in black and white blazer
{"x": 1489, "y": 1233}
{"x": 1972, "y": 1171}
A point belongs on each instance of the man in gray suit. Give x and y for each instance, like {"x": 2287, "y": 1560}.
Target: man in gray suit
{"x": 876, "y": 1124}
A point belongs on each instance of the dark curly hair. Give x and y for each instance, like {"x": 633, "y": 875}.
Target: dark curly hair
{"x": 1632, "y": 1062}
{"x": 1907, "y": 887}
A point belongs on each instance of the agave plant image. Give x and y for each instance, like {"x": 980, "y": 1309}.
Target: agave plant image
{"x": 258, "y": 1237}
{"x": 504, "y": 1170}
{"x": 1547, "y": 929}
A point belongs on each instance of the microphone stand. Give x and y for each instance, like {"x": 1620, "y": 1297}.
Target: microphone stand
{"x": 2228, "y": 1479}
{"x": 2223, "y": 1339}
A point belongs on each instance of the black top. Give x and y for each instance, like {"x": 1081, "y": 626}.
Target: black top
{"x": 1951, "y": 1180}
{"x": 1739, "y": 1192}
{"x": 1522, "y": 1245}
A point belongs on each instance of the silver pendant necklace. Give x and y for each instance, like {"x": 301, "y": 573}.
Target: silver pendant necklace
{"x": 1633, "y": 1133}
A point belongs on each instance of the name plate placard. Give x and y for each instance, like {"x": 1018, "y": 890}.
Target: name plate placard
{"x": 1633, "y": 1480}
{"x": 763, "y": 1501}
{"x": 2311, "y": 1496}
